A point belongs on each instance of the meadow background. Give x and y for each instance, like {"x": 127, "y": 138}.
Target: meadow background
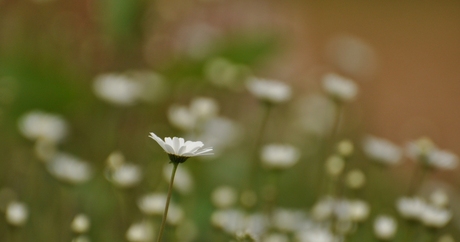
{"x": 403, "y": 56}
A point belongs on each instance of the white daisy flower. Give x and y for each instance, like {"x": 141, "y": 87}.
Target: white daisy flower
{"x": 278, "y": 156}
{"x": 17, "y": 213}
{"x": 382, "y": 150}
{"x": 180, "y": 150}
{"x": 69, "y": 168}
{"x": 425, "y": 151}
{"x": 117, "y": 89}
{"x": 385, "y": 227}
{"x": 80, "y": 224}
{"x": 36, "y": 125}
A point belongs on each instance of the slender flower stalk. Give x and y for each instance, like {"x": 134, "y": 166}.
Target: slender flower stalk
{"x": 168, "y": 199}
{"x": 178, "y": 151}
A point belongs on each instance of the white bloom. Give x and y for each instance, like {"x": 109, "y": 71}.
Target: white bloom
{"x": 219, "y": 133}
{"x": 339, "y": 87}
{"x": 40, "y": 125}
{"x": 181, "y": 117}
{"x": 68, "y": 168}
{"x": 382, "y": 150}
{"x": 278, "y": 156}
{"x": 269, "y": 90}
{"x": 80, "y": 224}
{"x": 204, "y": 108}
{"x": 276, "y": 237}
{"x": 335, "y": 165}
{"x": 315, "y": 235}
{"x": 140, "y": 232}
{"x": 152, "y": 204}
{"x": 224, "y": 197}
{"x": 126, "y": 175}
{"x": 16, "y": 213}
{"x": 117, "y": 89}
{"x": 179, "y": 148}
{"x": 355, "y": 179}
{"x": 175, "y": 214}
{"x": 439, "y": 198}
{"x": 229, "y": 220}
{"x": 323, "y": 209}
{"x": 410, "y": 208}
{"x": 345, "y": 148}
{"x": 317, "y": 114}
{"x": 183, "y": 180}
{"x": 385, "y": 227}
{"x": 423, "y": 150}
{"x": 435, "y": 217}
{"x": 81, "y": 238}
{"x": 287, "y": 220}
{"x": 359, "y": 210}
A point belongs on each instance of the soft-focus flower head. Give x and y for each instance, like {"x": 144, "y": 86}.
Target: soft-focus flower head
{"x": 224, "y": 197}
{"x": 117, "y": 89}
{"x": 80, "y": 224}
{"x": 278, "y": 156}
{"x": 345, "y": 148}
{"x": 180, "y": 150}
{"x": 355, "y": 179}
{"x": 287, "y": 220}
{"x": 152, "y": 204}
{"x": 425, "y": 151}
{"x": 315, "y": 234}
{"x": 385, "y": 227}
{"x": 335, "y": 165}
{"x": 140, "y": 232}
{"x": 382, "y": 150}
{"x": 439, "y": 198}
{"x": 69, "y": 168}
{"x": 41, "y": 125}
{"x": 269, "y": 91}
{"x": 435, "y": 217}
{"x": 339, "y": 88}
{"x": 410, "y": 207}
{"x": 126, "y": 175}
{"x": 17, "y": 213}
{"x": 275, "y": 237}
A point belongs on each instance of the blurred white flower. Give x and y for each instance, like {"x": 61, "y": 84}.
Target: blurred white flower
{"x": 189, "y": 118}
{"x": 339, "y": 87}
{"x": 275, "y": 237}
{"x": 269, "y": 90}
{"x": 229, "y": 220}
{"x": 345, "y": 148}
{"x": 355, "y": 179}
{"x": 80, "y": 224}
{"x": 352, "y": 55}
{"x": 279, "y": 156}
{"x": 315, "y": 235}
{"x": 17, "y": 213}
{"x": 382, "y": 150}
{"x": 140, "y": 232}
{"x": 182, "y": 118}
{"x": 286, "y": 220}
{"x": 435, "y": 217}
{"x": 40, "y": 125}
{"x": 317, "y": 114}
{"x": 175, "y": 215}
{"x": 126, "y": 175}
{"x": 439, "y": 198}
{"x": 323, "y": 209}
{"x": 219, "y": 133}
{"x": 180, "y": 150}
{"x": 117, "y": 89}
{"x": 224, "y": 197}
{"x": 152, "y": 204}
{"x": 183, "y": 181}
{"x": 204, "y": 108}
{"x": 385, "y": 227}
{"x": 359, "y": 210}
{"x": 81, "y": 238}
{"x": 424, "y": 151}
{"x": 69, "y": 168}
{"x": 335, "y": 165}
{"x": 410, "y": 208}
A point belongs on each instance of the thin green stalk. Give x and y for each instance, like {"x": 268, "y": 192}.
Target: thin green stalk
{"x": 255, "y": 161}
{"x": 165, "y": 214}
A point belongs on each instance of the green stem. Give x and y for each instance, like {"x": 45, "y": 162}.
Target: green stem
{"x": 165, "y": 214}
{"x": 255, "y": 160}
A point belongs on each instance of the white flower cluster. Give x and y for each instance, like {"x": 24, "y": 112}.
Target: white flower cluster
{"x": 39, "y": 125}
{"x": 425, "y": 151}
{"x": 431, "y": 215}
{"x": 279, "y": 156}
{"x": 68, "y": 168}
{"x": 121, "y": 173}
